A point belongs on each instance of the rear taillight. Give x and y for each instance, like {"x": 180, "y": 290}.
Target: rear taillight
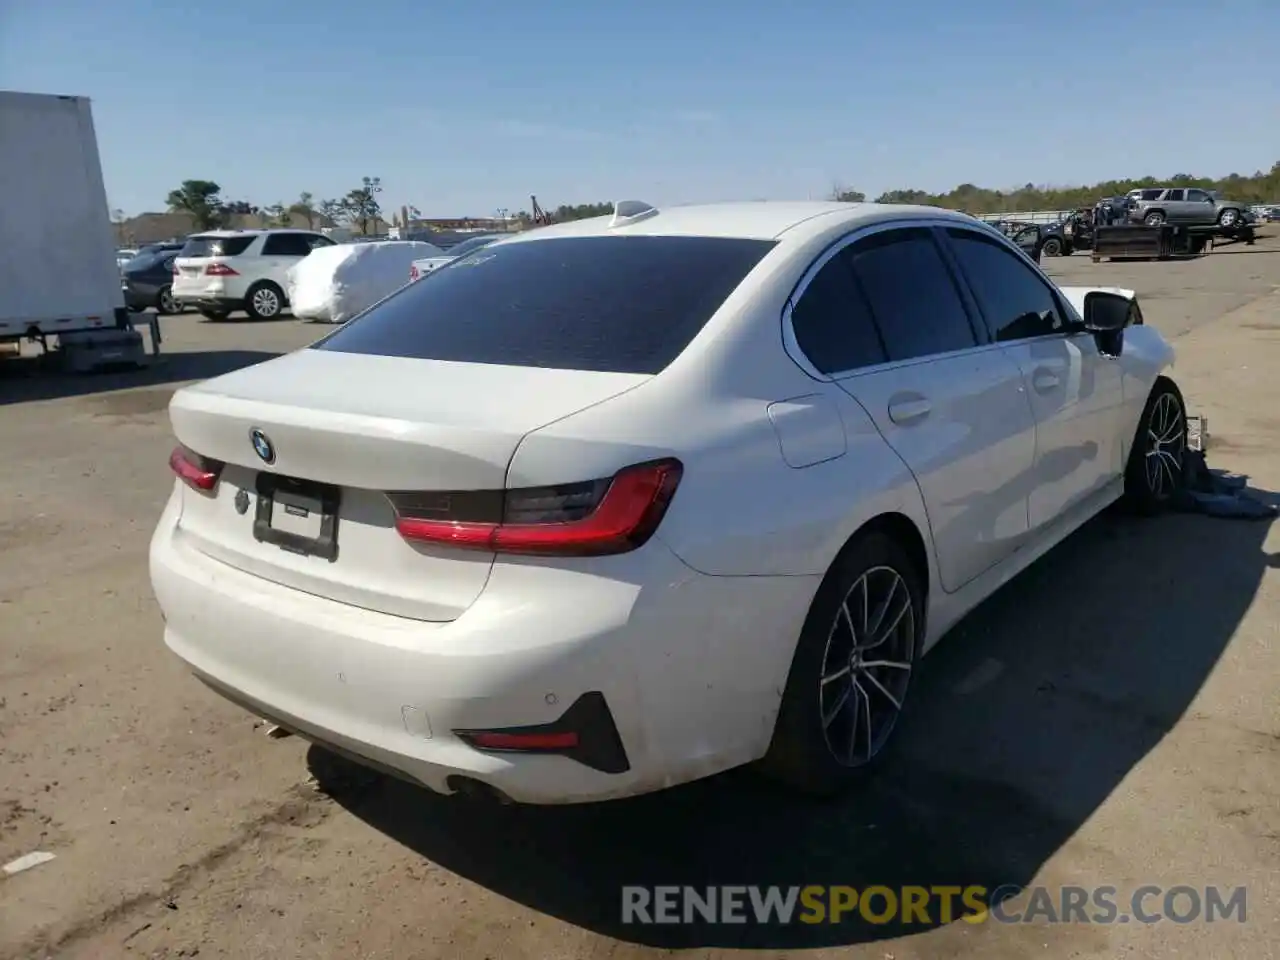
{"x": 413, "y": 273}
{"x": 595, "y": 518}
{"x": 174, "y": 268}
{"x": 219, "y": 270}
{"x": 197, "y": 472}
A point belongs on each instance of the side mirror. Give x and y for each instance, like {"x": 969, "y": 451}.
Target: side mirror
{"x": 1106, "y": 312}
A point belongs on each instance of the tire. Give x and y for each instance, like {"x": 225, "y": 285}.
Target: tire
{"x": 1152, "y": 477}
{"x": 824, "y": 759}
{"x": 1153, "y": 219}
{"x": 1229, "y": 218}
{"x": 1052, "y": 247}
{"x": 165, "y": 304}
{"x": 264, "y": 301}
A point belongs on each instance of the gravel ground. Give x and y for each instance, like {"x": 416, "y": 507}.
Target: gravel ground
{"x": 1109, "y": 718}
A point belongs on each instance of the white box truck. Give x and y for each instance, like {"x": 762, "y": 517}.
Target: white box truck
{"x": 58, "y": 271}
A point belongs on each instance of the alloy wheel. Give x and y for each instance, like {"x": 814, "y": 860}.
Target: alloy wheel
{"x": 1166, "y": 443}
{"x": 866, "y": 666}
{"x": 266, "y": 303}
{"x": 167, "y": 304}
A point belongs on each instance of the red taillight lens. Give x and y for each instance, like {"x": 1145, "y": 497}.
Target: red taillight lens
{"x": 566, "y": 740}
{"x": 197, "y": 472}
{"x": 219, "y": 270}
{"x": 413, "y": 273}
{"x": 595, "y": 518}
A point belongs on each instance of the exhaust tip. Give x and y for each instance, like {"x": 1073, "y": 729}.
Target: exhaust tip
{"x": 477, "y": 790}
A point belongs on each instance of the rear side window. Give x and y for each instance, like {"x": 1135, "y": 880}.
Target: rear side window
{"x": 217, "y": 246}
{"x": 912, "y": 295}
{"x": 611, "y": 304}
{"x": 290, "y": 244}
{"x": 833, "y": 324}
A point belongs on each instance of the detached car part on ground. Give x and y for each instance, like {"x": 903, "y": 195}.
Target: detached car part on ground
{"x": 626, "y": 502}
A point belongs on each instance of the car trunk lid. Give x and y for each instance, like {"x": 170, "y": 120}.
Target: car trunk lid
{"x": 333, "y": 432}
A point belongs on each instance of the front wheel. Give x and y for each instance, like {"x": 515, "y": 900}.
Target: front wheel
{"x": 852, "y": 668}
{"x": 1154, "y": 219}
{"x": 1154, "y": 472}
{"x": 1052, "y": 247}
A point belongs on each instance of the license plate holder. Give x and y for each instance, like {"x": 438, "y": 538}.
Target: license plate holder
{"x": 301, "y": 498}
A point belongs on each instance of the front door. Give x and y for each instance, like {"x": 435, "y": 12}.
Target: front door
{"x": 1075, "y": 391}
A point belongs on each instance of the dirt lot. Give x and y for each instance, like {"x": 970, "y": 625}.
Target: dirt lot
{"x": 1110, "y": 718}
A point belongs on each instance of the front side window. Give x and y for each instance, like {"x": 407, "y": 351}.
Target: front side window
{"x": 912, "y": 295}
{"x": 610, "y": 304}
{"x": 1013, "y": 299}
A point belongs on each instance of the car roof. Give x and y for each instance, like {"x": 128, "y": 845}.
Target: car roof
{"x": 248, "y": 232}
{"x": 762, "y": 219}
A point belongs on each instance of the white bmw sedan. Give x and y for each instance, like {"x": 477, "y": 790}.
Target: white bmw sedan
{"x": 621, "y": 503}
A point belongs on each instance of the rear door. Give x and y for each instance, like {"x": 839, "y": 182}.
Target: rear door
{"x": 950, "y": 404}
{"x": 1075, "y": 391}
{"x": 280, "y": 251}
{"x": 191, "y": 277}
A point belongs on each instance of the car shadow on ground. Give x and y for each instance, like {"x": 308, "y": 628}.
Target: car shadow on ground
{"x": 240, "y": 316}
{"x": 1022, "y": 723}
{"x": 25, "y": 379}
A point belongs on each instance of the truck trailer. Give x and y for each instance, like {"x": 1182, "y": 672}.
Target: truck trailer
{"x": 59, "y": 280}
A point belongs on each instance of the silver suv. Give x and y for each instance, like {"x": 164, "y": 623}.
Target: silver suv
{"x": 1185, "y": 205}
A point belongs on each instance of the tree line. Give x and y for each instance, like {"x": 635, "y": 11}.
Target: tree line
{"x": 1261, "y": 187}
{"x": 360, "y": 209}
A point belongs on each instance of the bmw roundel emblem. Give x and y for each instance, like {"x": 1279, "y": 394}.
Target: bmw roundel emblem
{"x": 262, "y": 446}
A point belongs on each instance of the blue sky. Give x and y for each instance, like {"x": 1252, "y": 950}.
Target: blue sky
{"x": 463, "y": 108}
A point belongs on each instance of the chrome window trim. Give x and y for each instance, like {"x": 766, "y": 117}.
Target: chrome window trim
{"x": 792, "y": 346}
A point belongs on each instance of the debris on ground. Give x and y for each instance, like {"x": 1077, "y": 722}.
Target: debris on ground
{"x": 26, "y": 862}
{"x": 1218, "y": 493}
{"x": 276, "y": 732}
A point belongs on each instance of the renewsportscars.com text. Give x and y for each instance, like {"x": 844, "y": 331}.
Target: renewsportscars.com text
{"x": 929, "y": 906}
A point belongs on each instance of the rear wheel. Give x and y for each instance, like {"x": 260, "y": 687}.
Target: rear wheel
{"x": 1052, "y": 247}
{"x": 852, "y": 669}
{"x": 264, "y": 301}
{"x": 165, "y": 303}
{"x": 1154, "y": 472}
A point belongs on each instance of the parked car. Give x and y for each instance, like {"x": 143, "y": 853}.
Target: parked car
{"x": 421, "y": 267}
{"x": 124, "y": 255}
{"x": 334, "y": 284}
{"x": 221, "y": 271}
{"x": 1187, "y": 206}
{"x": 147, "y": 279}
{"x": 632, "y": 500}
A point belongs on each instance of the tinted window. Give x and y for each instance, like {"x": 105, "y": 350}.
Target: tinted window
{"x": 1015, "y": 302}
{"x": 912, "y": 295}
{"x": 1199, "y": 196}
{"x": 1174, "y": 195}
{"x": 833, "y": 324}
{"x": 621, "y": 304}
{"x": 1151, "y": 194}
{"x": 466, "y": 246}
{"x": 217, "y": 246}
{"x": 287, "y": 245}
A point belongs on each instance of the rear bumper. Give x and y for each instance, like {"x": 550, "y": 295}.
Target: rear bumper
{"x": 224, "y": 304}
{"x": 689, "y": 667}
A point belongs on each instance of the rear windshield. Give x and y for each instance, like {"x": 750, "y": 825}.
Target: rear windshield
{"x": 610, "y": 304}
{"x": 216, "y": 246}
{"x": 466, "y": 246}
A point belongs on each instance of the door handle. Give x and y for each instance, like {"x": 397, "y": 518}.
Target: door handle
{"x": 905, "y": 412}
{"x": 1045, "y": 380}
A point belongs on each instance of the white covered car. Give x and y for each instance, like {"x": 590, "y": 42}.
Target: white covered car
{"x": 625, "y": 502}
{"x": 335, "y": 283}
